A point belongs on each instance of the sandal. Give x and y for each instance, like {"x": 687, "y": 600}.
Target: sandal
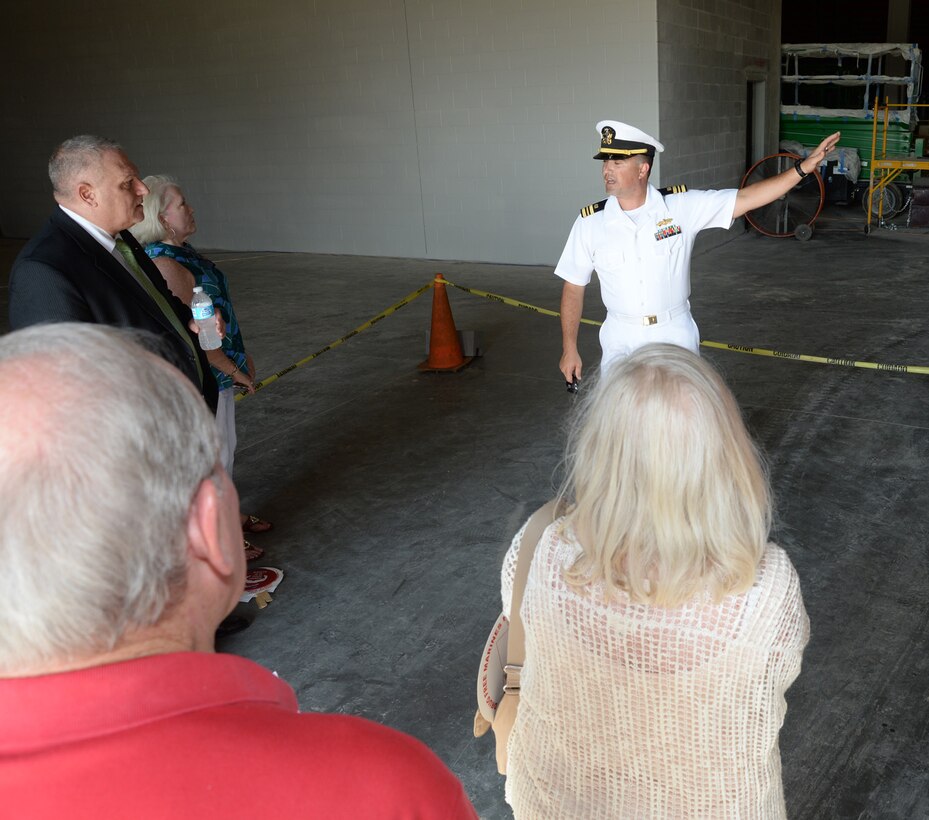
{"x": 252, "y": 552}
{"x": 253, "y": 523}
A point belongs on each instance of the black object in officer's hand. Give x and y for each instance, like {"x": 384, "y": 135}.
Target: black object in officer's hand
{"x": 573, "y": 385}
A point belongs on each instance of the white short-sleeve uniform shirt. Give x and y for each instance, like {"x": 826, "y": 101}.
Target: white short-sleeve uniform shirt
{"x": 642, "y": 259}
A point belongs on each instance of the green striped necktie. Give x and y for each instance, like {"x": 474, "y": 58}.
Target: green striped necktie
{"x": 126, "y": 252}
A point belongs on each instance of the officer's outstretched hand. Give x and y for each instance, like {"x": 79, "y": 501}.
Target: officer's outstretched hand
{"x": 819, "y": 153}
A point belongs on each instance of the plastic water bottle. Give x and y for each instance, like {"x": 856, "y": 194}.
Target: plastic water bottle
{"x": 202, "y": 309}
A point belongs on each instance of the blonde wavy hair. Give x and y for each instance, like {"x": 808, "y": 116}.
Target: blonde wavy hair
{"x": 671, "y": 497}
{"x": 151, "y": 229}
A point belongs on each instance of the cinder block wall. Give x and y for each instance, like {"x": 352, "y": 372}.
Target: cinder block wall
{"x": 424, "y": 128}
{"x": 708, "y": 51}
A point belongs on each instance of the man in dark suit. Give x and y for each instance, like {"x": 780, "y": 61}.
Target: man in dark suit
{"x": 85, "y": 266}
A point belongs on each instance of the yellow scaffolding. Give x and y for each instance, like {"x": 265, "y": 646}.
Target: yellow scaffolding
{"x": 886, "y": 169}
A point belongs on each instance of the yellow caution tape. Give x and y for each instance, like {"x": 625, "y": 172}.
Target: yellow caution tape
{"x": 496, "y": 297}
{"x": 757, "y": 351}
{"x": 371, "y": 322}
{"x": 803, "y": 357}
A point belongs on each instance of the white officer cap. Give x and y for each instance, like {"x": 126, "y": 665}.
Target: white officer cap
{"x": 619, "y": 141}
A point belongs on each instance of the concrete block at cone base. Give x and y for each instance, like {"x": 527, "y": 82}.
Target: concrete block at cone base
{"x": 472, "y": 343}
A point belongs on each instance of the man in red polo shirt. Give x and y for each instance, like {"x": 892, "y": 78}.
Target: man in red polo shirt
{"x": 112, "y": 701}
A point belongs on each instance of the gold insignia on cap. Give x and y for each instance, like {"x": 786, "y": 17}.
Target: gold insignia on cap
{"x": 608, "y": 134}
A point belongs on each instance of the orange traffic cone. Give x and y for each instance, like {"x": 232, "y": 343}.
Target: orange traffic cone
{"x": 444, "y": 346}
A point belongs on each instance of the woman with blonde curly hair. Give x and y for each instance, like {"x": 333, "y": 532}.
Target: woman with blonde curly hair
{"x": 662, "y": 628}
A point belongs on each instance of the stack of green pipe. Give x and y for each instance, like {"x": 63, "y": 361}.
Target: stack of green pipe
{"x": 810, "y": 131}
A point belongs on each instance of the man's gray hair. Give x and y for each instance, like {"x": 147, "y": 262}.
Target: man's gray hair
{"x": 102, "y": 448}
{"x": 75, "y": 157}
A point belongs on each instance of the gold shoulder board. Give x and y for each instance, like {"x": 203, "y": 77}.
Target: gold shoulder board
{"x": 589, "y": 210}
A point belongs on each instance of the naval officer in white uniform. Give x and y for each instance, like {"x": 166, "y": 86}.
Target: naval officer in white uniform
{"x": 639, "y": 241}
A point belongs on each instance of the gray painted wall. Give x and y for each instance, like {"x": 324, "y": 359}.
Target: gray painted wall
{"x": 423, "y": 128}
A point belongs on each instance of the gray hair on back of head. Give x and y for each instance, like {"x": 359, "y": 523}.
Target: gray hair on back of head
{"x": 151, "y": 229}
{"x": 74, "y": 157}
{"x": 102, "y": 448}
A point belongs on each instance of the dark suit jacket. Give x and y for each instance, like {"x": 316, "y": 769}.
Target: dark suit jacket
{"x": 64, "y": 275}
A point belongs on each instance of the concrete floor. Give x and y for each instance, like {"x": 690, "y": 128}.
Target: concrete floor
{"x": 395, "y": 494}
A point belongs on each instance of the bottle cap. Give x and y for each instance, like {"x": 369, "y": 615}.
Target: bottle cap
{"x": 198, "y": 289}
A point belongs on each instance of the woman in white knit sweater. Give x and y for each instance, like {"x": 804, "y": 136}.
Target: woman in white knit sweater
{"x": 662, "y": 629}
